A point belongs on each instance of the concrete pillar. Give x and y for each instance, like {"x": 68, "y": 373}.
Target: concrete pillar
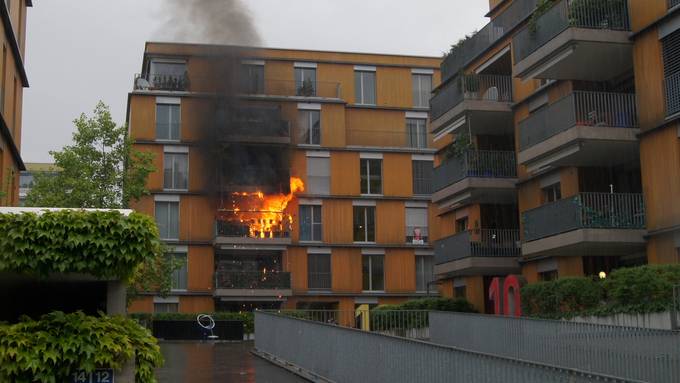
{"x": 116, "y": 298}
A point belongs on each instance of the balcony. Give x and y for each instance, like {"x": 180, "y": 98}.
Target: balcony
{"x": 245, "y": 284}
{"x": 292, "y": 88}
{"x": 162, "y": 82}
{"x": 485, "y": 251}
{"x": 586, "y": 224}
{"x": 256, "y": 125}
{"x": 482, "y": 176}
{"x": 581, "y": 129}
{"x": 482, "y": 101}
{"x": 576, "y": 40}
{"x": 235, "y": 227}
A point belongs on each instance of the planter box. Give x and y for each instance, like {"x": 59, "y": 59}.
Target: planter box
{"x": 190, "y": 330}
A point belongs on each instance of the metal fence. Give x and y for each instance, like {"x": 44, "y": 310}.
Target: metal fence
{"x": 348, "y": 355}
{"x": 604, "y": 109}
{"x": 471, "y": 87}
{"x": 592, "y": 14}
{"x": 257, "y": 280}
{"x": 475, "y": 163}
{"x": 296, "y": 88}
{"x": 478, "y": 243}
{"x": 635, "y": 353}
{"x": 675, "y": 310}
{"x": 672, "y": 87}
{"x": 160, "y": 81}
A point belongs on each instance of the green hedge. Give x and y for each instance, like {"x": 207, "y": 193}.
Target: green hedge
{"x": 50, "y": 349}
{"x": 636, "y": 290}
{"x": 105, "y": 244}
{"x": 437, "y": 304}
{"x": 147, "y": 319}
{"x": 410, "y": 314}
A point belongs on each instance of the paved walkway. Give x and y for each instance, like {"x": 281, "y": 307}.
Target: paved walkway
{"x": 221, "y": 362}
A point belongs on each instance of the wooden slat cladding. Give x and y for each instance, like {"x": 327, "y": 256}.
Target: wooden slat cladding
{"x": 394, "y": 87}
{"x": 337, "y": 219}
{"x": 644, "y": 12}
{"x": 333, "y": 125}
{"x": 201, "y": 268}
{"x": 660, "y": 159}
{"x": 196, "y": 218}
{"x": 396, "y": 173}
{"x": 142, "y": 117}
{"x": 346, "y": 270}
{"x": 648, "y": 61}
{"x": 345, "y": 173}
{"x": 295, "y": 261}
{"x": 400, "y": 271}
{"x": 390, "y": 222}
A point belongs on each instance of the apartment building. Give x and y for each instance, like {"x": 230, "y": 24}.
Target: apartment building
{"x": 13, "y": 79}
{"x": 537, "y": 129}
{"x": 27, "y": 177}
{"x": 287, "y": 178}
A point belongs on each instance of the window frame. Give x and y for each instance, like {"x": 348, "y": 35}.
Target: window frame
{"x": 170, "y": 123}
{"x": 368, "y": 230}
{"x": 168, "y": 224}
{"x": 424, "y": 180}
{"x": 365, "y": 164}
{"x": 420, "y": 133}
{"x": 312, "y": 208}
{"x": 360, "y": 93}
{"x": 166, "y": 157}
{"x": 316, "y": 273}
{"x": 306, "y": 125}
{"x": 166, "y": 304}
{"x": 176, "y": 273}
{"x": 247, "y": 69}
{"x": 371, "y": 272}
{"x": 424, "y": 269}
{"x": 300, "y": 82}
{"x": 425, "y": 230}
{"x": 310, "y": 186}
{"x": 418, "y": 90}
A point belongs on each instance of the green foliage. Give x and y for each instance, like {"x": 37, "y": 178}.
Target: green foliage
{"x": 542, "y": 7}
{"x": 459, "y": 44}
{"x": 50, "y": 349}
{"x": 147, "y": 319}
{"x": 410, "y": 314}
{"x": 636, "y": 290}
{"x": 460, "y": 146}
{"x": 105, "y": 244}
{"x": 154, "y": 274}
{"x": 100, "y": 169}
{"x": 436, "y": 304}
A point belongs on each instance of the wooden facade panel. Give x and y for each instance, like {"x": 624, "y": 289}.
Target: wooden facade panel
{"x": 446, "y": 288}
{"x": 293, "y": 209}
{"x": 196, "y": 305}
{"x": 644, "y": 12}
{"x": 440, "y": 226}
{"x": 397, "y": 174}
{"x": 391, "y": 300}
{"x": 660, "y": 160}
{"x": 345, "y": 173}
{"x": 201, "y": 268}
{"x": 142, "y": 117}
{"x": 333, "y": 125}
{"x": 144, "y": 205}
{"x": 142, "y": 304}
{"x": 196, "y": 218}
{"x": 298, "y": 165}
{"x": 400, "y": 272}
{"x": 569, "y": 182}
{"x": 278, "y": 74}
{"x": 346, "y": 270}
{"x": 394, "y": 87}
{"x": 649, "y": 69}
{"x": 569, "y": 266}
{"x": 370, "y": 127}
{"x": 390, "y": 222}
{"x": 529, "y": 195}
{"x": 530, "y": 272}
{"x": 199, "y": 170}
{"x": 336, "y": 74}
{"x": 337, "y": 221}
{"x": 474, "y": 291}
{"x": 662, "y": 249}
{"x": 295, "y": 261}
{"x": 523, "y": 89}
{"x": 155, "y": 180}
{"x": 196, "y": 116}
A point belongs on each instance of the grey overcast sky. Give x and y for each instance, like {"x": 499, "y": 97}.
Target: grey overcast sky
{"x": 79, "y": 52}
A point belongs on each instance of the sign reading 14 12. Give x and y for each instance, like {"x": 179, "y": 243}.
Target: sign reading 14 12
{"x": 97, "y": 376}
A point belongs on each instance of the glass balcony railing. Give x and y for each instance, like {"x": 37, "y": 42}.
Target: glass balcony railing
{"x": 585, "y": 211}
{"x": 613, "y": 110}
{"x": 591, "y": 14}
{"x": 478, "y": 243}
{"x": 295, "y": 88}
{"x": 471, "y": 87}
{"x": 475, "y": 163}
{"x": 257, "y": 280}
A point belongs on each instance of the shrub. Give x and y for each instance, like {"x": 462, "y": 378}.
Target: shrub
{"x": 561, "y": 297}
{"x": 57, "y": 345}
{"x": 147, "y": 319}
{"x": 642, "y": 289}
{"x": 387, "y": 317}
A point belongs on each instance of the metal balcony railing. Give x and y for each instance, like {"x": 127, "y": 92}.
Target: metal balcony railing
{"x": 673, "y": 3}
{"x": 270, "y": 280}
{"x": 585, "y": 211}
{"x": 414, "y": 140}
{"x": 478, "y": 243}
{"x": 592, "y": 14}
{"x": 253, "y": 224}
{"x": 160, "y": 81}
{"x": 672, "y": 87}
{"x": 319, "y": 280}
{"x": 613, "y": 110}
{"x": 295, "y": 88}
{"x": 471, "y": 87}
{"x": 475, "y": 163}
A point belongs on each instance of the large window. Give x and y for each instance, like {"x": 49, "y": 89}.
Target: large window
{"x": 310, "y": 223}
{"x": 252, "y": 79}
{"x": 424, "y": 273}
{"x": 167, "y": 122}
{"x": 319, "y": 271}
{"x": 422, "y": 177}
{"x": 305, "y": 82}
{"x": 166, "y": 307}
{"x": 166, "y": 75}
{"x": 373, "y": 272}
{"x": 181, "y": 274}
{"x": 309, "y": 127}
{"x": 167, "y": 219}
{"x": 364, "y": 87}
{"x": 318, "y": 176}
{"x": 416, "y": 131}
{"x": 371, "y": 176}
{"x": 422, "y": 87}
{"x": 552, "y": 193}
{"x": 364, "y": 223}
{"x": 416, "y": 225}
{"x": 175, "y": 171}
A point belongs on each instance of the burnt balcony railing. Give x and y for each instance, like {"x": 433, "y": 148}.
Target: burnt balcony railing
{"x": 161, "y": 81}
{"x": 585, "y": 211}
{"x": 471, "y": 87}
{"x": 591, "y": 14}
{"x": 257, "y": 280}
{"x": 295, "y": 88}
{"x": 475, "y": 163}
{"x": 672, "y": 87}
{"x": 256, "y": 128}
{"x": 478, "y": 243}
{"x": 613, "y": 110}
{"x": 253, "y": 224}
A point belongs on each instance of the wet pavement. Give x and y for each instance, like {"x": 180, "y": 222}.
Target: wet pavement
{"x": 191, "y": 362}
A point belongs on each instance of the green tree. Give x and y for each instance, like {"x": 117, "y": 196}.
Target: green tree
{"x": 100, "y": 169}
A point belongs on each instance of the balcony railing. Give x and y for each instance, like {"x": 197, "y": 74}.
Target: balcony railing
{"x": 253, "y": 224}
{"x": 471, "y": 87}
{"x": 592, "y": 14}
{"x": 256, "y": 128}
{"x": 478, "y": 243}
{"x": 481, "y": 164}
{"x": 585, "y": 211}
{"x": 673, "y": 3}
{"x": 672, "y": 85}
{"x": 512, "y": 16}
{"x": 614, "y": 110}
{"x": 296, "y": 88}
{"x": 159, "y": 81}
{"x": 319, "y": 281}
{"x": 243, "y": 280}
{"x": 357, "y": 137}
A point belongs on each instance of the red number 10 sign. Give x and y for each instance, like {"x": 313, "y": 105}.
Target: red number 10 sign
{"x": 505, "y": 294}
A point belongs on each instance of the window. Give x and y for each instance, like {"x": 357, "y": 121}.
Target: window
{"x": 166, "y": 307}
{"x": 373, "y": 272}
{"x": 309, "y": 122}
{"x": 180, "y": 275}
{"x": 167, "y": 219}
{"x": 310, "y": 223}
{"x": 364, "y": 223}
{"x": 424, "y": 273}
{"x": 552, "y": 193}
{"x": 371, "y": 176}
{"x": 422, "y": 87}
{"x": 25, "y": 180}
{"x": 165, "y": 75}
{"x": 318, "y": 175}
{"x": 252, "y": 79}
{"x": 422, "y": 177}
{"x": 416, "y": 225}
{"x": 305, "y": 82}
{"x": 459, "y": 292}
{"x": 671, "y": 64}
{"x": 547, "y": 276}
{"x": 168, "y": 69}
{"x": 167, "y": 122}
{"x": 416, "y": 131}
{"x": 175, "y": 171}
{"x": 319, "y": 271}
{"x": 461, "y": 225}
{"x": 364, "y": 86}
